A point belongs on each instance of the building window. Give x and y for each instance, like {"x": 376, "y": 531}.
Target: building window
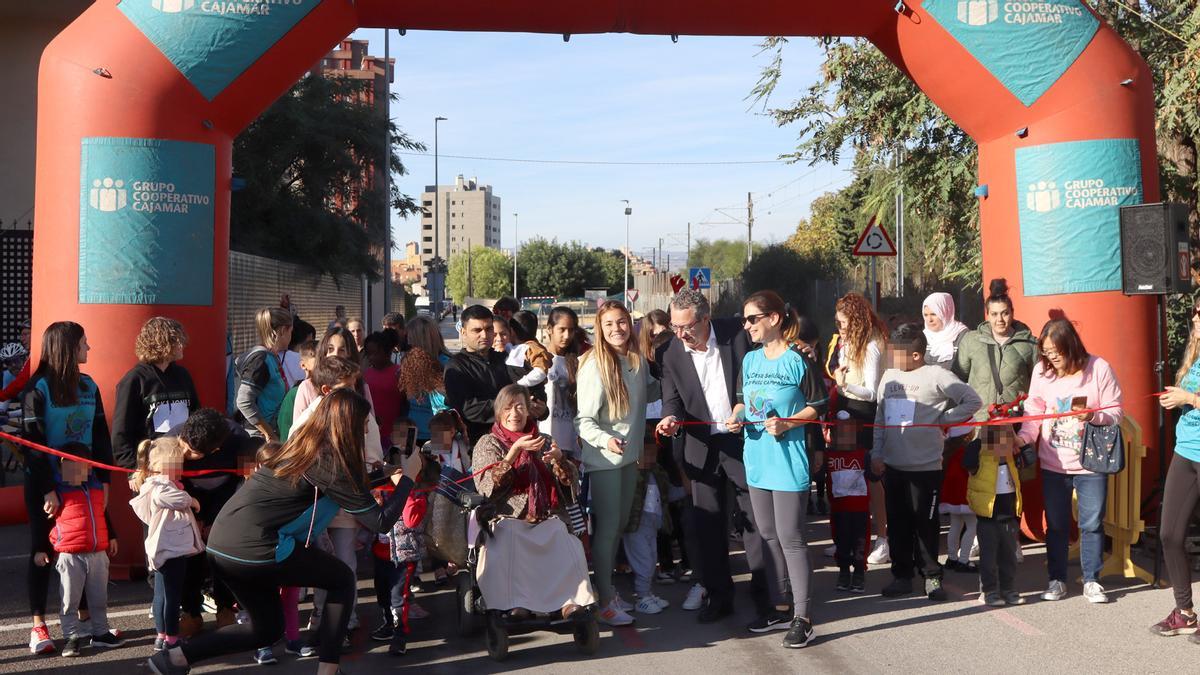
{"x": 429, "y": 239}
{"x": 428, "y": 251}
{"x": 428, "y": 226}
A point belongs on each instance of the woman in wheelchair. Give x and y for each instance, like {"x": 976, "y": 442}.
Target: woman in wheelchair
{"x": 530, "y": 563}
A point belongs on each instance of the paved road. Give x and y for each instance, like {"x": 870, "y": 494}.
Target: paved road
{"x": 856, "y": 634}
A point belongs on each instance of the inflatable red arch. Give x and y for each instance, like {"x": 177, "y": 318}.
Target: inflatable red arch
{"x": 139, "y": 102}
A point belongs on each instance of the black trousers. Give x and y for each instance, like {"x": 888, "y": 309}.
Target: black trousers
{"x": 850, "y": 539}
{"x": 914, "y": 525}
{"x": 998, "y": 546}
{"x": 38, "y": 579}
{"x": 198, "y": 569}
{"x": 1179, "y": 499}
{"x": 711, "y": 512}
{"x": 256, "y": 588}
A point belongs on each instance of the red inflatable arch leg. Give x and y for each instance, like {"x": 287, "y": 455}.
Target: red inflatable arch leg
{"x": 153, "y": 92}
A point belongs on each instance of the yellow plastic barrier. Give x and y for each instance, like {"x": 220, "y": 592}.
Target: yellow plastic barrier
{"x": 1123, "y": 511}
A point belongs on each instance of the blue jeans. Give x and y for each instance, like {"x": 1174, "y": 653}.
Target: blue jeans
{"x": 1092, "y": 491}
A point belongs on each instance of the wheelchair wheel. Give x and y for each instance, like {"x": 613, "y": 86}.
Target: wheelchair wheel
{"x": 468, "y": 620}
{"x": 587, "y": 637}
{"x": 497, "y": 639}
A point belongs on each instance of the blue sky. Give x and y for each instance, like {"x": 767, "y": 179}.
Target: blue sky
{"x": 605, "y": 98}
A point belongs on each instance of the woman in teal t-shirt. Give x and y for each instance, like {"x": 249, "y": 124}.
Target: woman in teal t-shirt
{"x": 780, "y": 388}
{"x": 1183, "y": 485}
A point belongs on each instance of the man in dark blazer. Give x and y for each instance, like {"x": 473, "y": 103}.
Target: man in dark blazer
{"x": 701, "y": 372}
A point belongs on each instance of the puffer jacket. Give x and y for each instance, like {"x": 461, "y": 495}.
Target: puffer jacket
{"x": 80, "y": 526}
{"x": 1014, "y": 359}
{"x": 166, "y": 509}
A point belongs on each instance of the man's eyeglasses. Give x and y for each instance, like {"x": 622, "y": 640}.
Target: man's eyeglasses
{"x": 752, "y": 319}
{"x": 686, "y": 329}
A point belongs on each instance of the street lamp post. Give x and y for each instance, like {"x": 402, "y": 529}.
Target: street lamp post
{"x": 625, "y": 281}
{"x": 436, "y": 302}
{"x": 516, "y": 247}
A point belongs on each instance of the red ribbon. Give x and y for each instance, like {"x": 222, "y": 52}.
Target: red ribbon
{"x": 100, "y": 465}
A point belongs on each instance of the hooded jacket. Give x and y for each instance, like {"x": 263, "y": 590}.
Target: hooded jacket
{"x": 1014, "y": 361}
{"x": 172, "y": 531}
{"x": 81, "y": 525}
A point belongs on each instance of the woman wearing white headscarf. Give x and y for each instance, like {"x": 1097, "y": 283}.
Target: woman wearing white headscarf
{"x": 942, "y": 329}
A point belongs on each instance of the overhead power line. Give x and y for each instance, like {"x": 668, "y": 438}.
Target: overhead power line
{"x": 596, "y": 162}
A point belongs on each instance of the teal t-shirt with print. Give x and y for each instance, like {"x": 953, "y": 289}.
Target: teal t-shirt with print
{"x": 1187, "y": 430}
{"x": 774, "y": 386}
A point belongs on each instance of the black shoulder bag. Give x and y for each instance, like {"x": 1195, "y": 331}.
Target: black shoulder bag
{"x": 1103, "y": 449}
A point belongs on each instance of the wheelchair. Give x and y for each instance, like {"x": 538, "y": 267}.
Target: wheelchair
{"x": 475, "y": 616}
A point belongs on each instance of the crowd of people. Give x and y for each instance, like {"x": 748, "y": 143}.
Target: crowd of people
{"x": 670, "y": 431}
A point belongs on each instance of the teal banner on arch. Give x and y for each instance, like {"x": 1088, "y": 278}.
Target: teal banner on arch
{"x": 147, "y": 219}
{"x": 1069, "y": 199}
{"x": 212, "y": 42}
{"x": 1026, "y": 44}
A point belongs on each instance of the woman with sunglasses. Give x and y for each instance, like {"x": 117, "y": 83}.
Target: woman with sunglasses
{"x": 1067, "y": 378}
{"x": 855, "y": 364}
{"x": 1182, "y": 489}
{"x": 781, "y": 388}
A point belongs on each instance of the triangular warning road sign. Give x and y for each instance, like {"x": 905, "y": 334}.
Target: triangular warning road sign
{"x": 874, "y": 240}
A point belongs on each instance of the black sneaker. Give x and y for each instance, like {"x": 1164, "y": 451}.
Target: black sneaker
{"x": 934, "y": 590}
{"x": 858, "y": 582}
{"x": 773, "y": 620}
{"x": 799, "y": 633}
{"x": 843, "y": 581}
{"x": 73, "y": 647}
{"x": 384, "y": 632}
{"x": 399, "y": 645}
{"x": 897, "y": 588}
{"x": 106, "y": 641}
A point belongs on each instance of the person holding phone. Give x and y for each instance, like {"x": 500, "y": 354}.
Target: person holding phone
{"x": 612, "y": 387}
{"x": 1067, "y": 378}
{"x": 531, "y": 563}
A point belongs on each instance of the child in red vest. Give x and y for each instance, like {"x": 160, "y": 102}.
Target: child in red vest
{"x": 84, "y": 539}
{"x": 850, "y": 506}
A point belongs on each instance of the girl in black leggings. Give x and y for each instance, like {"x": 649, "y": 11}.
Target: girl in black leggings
{"x": 264, "y": 536}
{"x": 1182, "y": 488}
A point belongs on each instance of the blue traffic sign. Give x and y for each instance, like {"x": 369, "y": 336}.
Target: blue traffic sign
{"x": 700, "y": 277}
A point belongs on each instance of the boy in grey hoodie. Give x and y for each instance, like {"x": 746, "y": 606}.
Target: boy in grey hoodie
{"x": 909, "y": 455}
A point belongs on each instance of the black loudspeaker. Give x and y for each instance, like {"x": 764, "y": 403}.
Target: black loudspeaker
{"x": 1155, "y": 249}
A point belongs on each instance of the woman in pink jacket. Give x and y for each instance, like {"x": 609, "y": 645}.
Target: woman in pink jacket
{"x": 1068, "y": 378}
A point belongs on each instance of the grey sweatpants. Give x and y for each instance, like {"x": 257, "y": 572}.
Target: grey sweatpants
{"x": 781, "y": 519}
{"x": 79, "y": 574}
{"x": 641, "y": 548}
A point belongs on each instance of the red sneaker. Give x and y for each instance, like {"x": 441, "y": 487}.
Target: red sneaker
{"x": 40, "y": 642}
{"x": 1176, "y": 623}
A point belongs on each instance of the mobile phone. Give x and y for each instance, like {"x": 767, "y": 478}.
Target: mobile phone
{"x": 1079, "y": 402}
{"x": 410, "y": 440}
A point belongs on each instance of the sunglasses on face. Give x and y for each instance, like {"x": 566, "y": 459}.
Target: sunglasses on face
{"x": 753, "y": 319}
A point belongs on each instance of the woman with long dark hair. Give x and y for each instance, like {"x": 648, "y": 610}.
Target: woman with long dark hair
{"x": 264, "y": 537}
{"x": 1182, "y": 489}
{"x": 62, "y": 405}
{"x": 780, "y": 386}
{"x": 561, "y": 330}
{"x": 612, "y": 388}
{"x": 1067, "y": 378}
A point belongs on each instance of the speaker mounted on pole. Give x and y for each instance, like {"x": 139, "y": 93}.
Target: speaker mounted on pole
{"x": 1156, "y": 254}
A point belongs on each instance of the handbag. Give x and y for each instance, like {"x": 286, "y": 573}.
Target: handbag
{"x": 1103, "y": 449}
{"x": 576, "y": 520}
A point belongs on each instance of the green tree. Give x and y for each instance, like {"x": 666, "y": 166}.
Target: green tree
{"x": 788, "y": 272}
{"x": 547, "y": 267}
{"x": 305, "y": 163}
{"x": 490, "y": 274}
{"x": 726, "y": 257}
{"x": 612, "y": 264}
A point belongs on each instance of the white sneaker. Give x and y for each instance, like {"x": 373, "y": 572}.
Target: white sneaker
{"x": 622, "y": 604}
{"x": 1057, "y": 590}
{"x": 1094, "y": 592}
{"x": 661, "y": 602}
{"x": 831, "y": 551}
{"x": 615, "y": 616}
{"x": 695, "y": 598}
{"x": 648, "y": 605}
{"x": 880, "y": 554}
{"x": 243, "y": 617}
{"x": 975, "y": 550}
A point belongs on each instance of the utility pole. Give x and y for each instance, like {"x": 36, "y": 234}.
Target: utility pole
{"x": 516, "y": 247}
{"x": 899, "y": 222}
{"x": 687, "y": 262}
{"x": 470, "y": 272}
{"x": 749, "y": 227}
{"x": 658, "y": 256}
